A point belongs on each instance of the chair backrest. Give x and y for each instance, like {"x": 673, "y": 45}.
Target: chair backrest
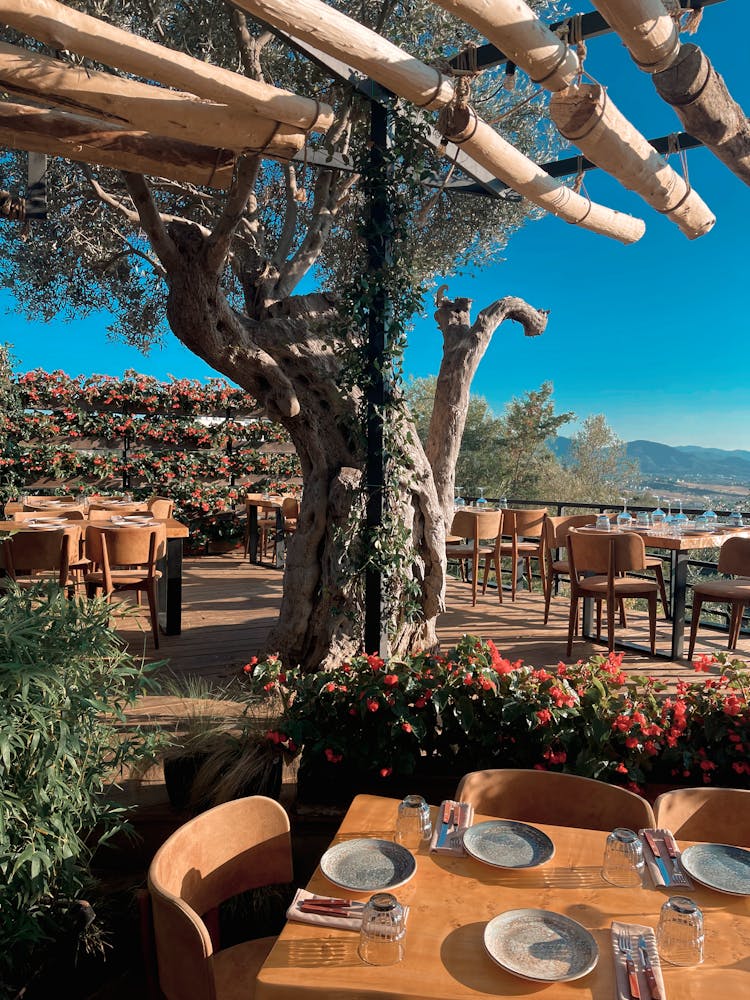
{"x": 605, "y": 552}
{"x": 486, "y": 524}
{"x": 734, "y": 557}
{"x": 236, "y": 846}
{"x": 524, "y": 523}
{"x": 554, "y": 798}
{"x": 71, "y": 514}
{"x": 30, "y": 551}
{"x": 556, "y": 528}
{"x": 160, "y": 506}
{"x": 109, "y": 546}
{"x": 715, "y": 815}
{"x": 290, "y": 507}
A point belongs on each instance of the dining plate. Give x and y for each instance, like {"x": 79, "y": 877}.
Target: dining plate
{"x": 719, "y": 866}
{"x": 368, "y": 865}
{"x": 508, "y": 844}
{"x": 540, "y": 945}
{"x": 47, "y": 522}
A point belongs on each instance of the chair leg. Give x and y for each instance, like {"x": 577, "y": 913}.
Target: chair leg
{"x": 572, "y": 622}
{"x": 529, "y": 577}
{"x": 474, "y": 575}
{"x": 694, "y": 619}
{"x": 738, "y": 609}
{"x": 153, "y": 608}
{"x": 598, "y": 619}
{"x": 652, "y": 622}
{"x": 623, "y": 619}
{"x": 658, "y": 571}
{"x": 547, "y": 594}
{"x": 611, "y": 624}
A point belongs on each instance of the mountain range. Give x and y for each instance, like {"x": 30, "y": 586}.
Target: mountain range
{"x": 688, "y": 461}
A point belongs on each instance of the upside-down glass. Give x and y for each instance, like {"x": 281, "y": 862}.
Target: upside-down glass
{"x": 643, "y": 519}
{"x": 679, "y": 935}
{"x": 624, "y": 518}
{"x": 623, "y": 859}
{"x": 381, "y": 939}
{"x": 458, "y": 500}
{"x": 413, "y": 823}
{"x": 602, "y": 522}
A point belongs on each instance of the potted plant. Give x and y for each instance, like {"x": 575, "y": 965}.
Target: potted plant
{"x": 220, "y": 749}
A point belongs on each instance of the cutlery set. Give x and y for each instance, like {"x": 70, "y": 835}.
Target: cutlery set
{"x": 624, "y": 943}
{"x": 665, "y": 855}
{"x": 331, "y": 907}
{"x": 455, "y": 817}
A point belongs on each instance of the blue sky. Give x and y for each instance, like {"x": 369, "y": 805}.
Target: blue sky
{"x": 652, "y": 335}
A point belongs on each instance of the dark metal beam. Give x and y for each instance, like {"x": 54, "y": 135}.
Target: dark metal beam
{"x": 592, "y": 25}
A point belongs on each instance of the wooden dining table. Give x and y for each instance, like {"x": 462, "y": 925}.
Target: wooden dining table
{"x": 274, "y": 504}
{"x": 678, "y": 549}
{"x": 170, "y": 583}
{"x": 451, "y": 899}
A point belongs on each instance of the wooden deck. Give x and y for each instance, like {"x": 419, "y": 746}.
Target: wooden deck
{"x": 229, "y": 606}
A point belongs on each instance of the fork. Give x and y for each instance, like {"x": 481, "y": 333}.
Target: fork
{"x": 623, "y": 943}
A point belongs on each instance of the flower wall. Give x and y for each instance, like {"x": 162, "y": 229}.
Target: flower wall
{"x": 475, "y": 709}
{"x": 101, "y": 433}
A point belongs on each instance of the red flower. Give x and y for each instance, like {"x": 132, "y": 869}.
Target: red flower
{"x": 375, "y": 661}
{"x": 372, "y": 704}
{"x": 390, "y": 679}
{"x": 385, "y": 771}
{"x": 333, "y": 758}
{"x": 704, "y": 662}
{"x": 406, "y": 726}
{"x": 621, "y": 769}
{"x": 330, "y": 686}
{"x": 544, "y": 716}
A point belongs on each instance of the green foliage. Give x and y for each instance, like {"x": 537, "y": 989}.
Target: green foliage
{"x": 11, "y": 410}
{"x": 65, "y": 681}
{"x": 598, "y": 464}
{"x": 476, "y": 709}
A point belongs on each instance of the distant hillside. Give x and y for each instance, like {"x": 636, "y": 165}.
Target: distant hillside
{"x": 710, "y": 465}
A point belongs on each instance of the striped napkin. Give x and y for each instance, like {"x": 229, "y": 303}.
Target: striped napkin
{"x": 454, "y": 818}
{"x": 622, "y": 987}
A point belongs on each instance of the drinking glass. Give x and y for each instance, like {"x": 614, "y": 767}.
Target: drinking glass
{"x": 735, "y": 518}
{"x": 481, "y": 500}
{"x": 624, "y": 518}
{"x": 603, "y": 523}
{"x": 679, "y": 935}
{"x": 381, "y": 939}
{"x": 502, "y": 503}
{"x": 712, "y": 518}
{"x": 459, "y": 500}
{"x": 643, "y": 519}
{"x": 623, "y": 858}
{"x": 680, "y": 520}
{"x": 413, "y": 823}
{"x": 658, "y": 518}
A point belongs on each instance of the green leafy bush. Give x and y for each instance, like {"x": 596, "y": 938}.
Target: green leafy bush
{"x": 475, "y": 708}
{"x": 65, "y": 680}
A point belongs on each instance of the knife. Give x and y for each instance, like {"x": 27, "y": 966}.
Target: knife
{"x": 447, "y": 823}
{"x": 654, "y": 848}
{"x": 648, "y": 969}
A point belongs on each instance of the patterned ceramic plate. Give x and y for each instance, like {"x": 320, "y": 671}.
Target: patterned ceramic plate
{"x": 719, "y": 866}
{"x": 366, "y": 865}
{"x": 540, "y": 945}
{"x": 508, "y": 844}
{"x": 47, "y": 522}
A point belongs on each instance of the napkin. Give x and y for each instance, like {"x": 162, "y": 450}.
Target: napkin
{"x": 672, "y": 864}
{"x": 453, "y": 842}
{"x": 622, "y": 987}
{"x": 349, "y": 923}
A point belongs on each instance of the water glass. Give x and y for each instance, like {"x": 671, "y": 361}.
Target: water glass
{"x": 679, "y": 935}
{"x": 413, "y": 823}
{"x": 381, "y": 939}
{"x": 603, "y": 523}
{"x": 658, "y": 520}
{"x": 623, "y": 859}
{"x": 735, "y": 519}
{"x": 643, "y": 519}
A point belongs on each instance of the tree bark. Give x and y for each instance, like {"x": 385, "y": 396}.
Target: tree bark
{"x": 705, "y": 107}
{"x": 464, "y": 346}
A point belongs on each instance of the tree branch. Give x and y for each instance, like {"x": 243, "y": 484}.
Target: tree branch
{"x": 291, "y": 215}
{"x": 243, "y": 182}
{"x": 151, "y": 220}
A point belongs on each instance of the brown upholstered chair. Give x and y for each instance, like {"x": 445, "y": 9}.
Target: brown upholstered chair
{"x": 714, "y": 815}
{"x": 479, "y": 533}
{"x": 225, "y": 851}
{"x": 522, "y": 539}
{"x": 32, "y": 556}
{"x": 734, "y": 559}
{"x": 160, "y": 507}
{"x": 608, "y": 557}
{"x": 554, "y": 798}
{"x": 125, "y": 559}
{"x": 555, "y": 538}
{"x": 266, "y": 517}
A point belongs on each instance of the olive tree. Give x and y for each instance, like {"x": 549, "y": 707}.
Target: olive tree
{"x": 264, "y": 284}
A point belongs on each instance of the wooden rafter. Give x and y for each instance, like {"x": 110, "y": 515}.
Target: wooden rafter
{"x": 650, "y": 34}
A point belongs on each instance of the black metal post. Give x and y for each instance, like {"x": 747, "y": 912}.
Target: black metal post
{"x": 378, "y": 252}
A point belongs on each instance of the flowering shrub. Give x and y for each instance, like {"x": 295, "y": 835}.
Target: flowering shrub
{"x": 474, "y": 708}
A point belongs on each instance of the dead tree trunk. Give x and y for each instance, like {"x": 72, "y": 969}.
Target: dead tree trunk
{"x": 705, "y": 107}
{"x": 464, "y": 345}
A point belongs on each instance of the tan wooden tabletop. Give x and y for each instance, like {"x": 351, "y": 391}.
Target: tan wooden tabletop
{"x": 451, "y": 899}
{"x": 175, "y": 529}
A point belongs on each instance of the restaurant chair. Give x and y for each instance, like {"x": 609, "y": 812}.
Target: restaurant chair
{"x": 30, "y": 557}
{"x": 125, "y": 559}
{"x": 266, "y": 523}
{"x": 160, "y": 507}
{"x": 734, "y": 559}
{"x": 522, "y": 539}
{"x": 234, "y": 847}
{"x": 479, "y": 534}
{"x": 71, "y": 514}
{"x": 554, "y": 798}
{"x": 599, "y": 568}
{"x": 555, "y": 539}
{"x": 713, "y": 815}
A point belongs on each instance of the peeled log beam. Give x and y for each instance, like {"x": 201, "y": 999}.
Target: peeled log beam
{"x": 706, "y": 108}
{"x": 588, "y": 117}
{"x": 647, "y": 30}
{"x": 85, "y": 140}
{"x": 141, "y": 107}
{"x": 503, "y": 160}
{"x": 338, "y": 35}
{"x": 62, "y": 27}
{"x": 517, "y": 31}
{"x": 328, "y": 29}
